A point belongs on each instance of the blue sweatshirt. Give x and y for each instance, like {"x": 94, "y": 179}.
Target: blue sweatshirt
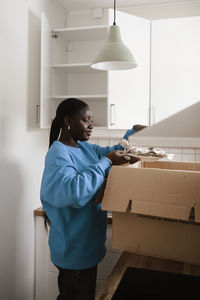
{"x": 71, "y": 180}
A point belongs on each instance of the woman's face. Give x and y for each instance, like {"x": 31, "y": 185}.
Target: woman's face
{"x": 81, "y": 125}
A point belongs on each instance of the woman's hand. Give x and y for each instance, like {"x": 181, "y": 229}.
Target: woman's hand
{"x": 118, "y": 157}
{"x": 131, "y": 158}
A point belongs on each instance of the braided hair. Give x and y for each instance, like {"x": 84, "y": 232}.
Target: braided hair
{"x": 68, "y": 107}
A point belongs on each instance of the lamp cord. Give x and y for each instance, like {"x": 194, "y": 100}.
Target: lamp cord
{"x": 114, "y": 23}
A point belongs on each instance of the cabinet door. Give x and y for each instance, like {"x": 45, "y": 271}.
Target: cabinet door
{"x": 175, "y": 66}
{"x": 41, "y": 260}
{"x": 52, "y": 286}
{"x": 128, "y": 90}
{"x": 46, "y": 73}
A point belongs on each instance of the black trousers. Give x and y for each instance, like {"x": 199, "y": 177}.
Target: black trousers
{"x": 77, "y": 284}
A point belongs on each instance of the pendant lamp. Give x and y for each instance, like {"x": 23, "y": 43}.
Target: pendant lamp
{"x": 114, "y": 55}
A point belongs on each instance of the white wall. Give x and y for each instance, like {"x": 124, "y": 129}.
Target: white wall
{"x": 22, "y": 144}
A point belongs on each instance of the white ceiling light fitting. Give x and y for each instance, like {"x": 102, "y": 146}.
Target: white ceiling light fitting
{"x": 114, "y": 55}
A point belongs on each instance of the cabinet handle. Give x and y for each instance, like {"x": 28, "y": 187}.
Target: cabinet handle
{"x": 112, "y": 114}
{"x": 37, "y": 113}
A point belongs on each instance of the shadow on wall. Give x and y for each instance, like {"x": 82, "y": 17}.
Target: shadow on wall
{"x": 18, "y": 178}
{"x": 33, "y": 72}
{"x": 11, "y": 190}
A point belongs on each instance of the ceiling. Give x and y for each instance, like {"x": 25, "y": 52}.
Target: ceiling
{"x": 88, "y": 4}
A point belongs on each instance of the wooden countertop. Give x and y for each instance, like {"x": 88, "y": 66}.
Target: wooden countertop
{"x": 39, "y": 212}
{"x": 141, "y": 261}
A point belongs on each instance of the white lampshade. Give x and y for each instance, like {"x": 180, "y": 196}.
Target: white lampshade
{"x": 114, "y": 55}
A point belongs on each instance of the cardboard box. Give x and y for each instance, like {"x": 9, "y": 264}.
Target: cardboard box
{"x": 156, "y": 209}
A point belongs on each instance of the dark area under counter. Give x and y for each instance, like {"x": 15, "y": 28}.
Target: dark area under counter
{"x": 142, "y": 284}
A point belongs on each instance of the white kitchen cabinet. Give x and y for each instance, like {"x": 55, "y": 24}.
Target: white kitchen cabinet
{"x": 165, "y": 81}
{"x": 128, "y": 91}
{"x": 175, "y": 66}
{"x": 117, "y": 99}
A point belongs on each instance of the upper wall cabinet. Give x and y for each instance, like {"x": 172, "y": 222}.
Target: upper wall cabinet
{"x": 165, "y": 81}
{"x": 128, "y": 91}
{"x": 117, "y": 99}
{"x": 175, "y": 66}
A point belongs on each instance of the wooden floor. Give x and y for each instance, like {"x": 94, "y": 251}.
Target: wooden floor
{"x": 141, "y": 261}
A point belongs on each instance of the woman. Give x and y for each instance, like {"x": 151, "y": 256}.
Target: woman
{"x": 74, "y": 172}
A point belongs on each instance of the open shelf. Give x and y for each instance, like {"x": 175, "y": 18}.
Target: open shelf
{"x": 66, "y": 56}
{"x": 76, "y": 68}
{"x": 90, "y": 33}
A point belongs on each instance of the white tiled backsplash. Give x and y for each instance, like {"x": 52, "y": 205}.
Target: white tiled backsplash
{"x": 180, "y": 154}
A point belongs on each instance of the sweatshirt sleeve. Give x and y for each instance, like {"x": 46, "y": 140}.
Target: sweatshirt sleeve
{"x": 103, "y": 151}
{"x": 128, "y": 133}
{"x": 63, "y": 186}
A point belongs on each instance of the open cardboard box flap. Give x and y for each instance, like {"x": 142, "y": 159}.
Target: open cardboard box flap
{"x": 162, "y": 189}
